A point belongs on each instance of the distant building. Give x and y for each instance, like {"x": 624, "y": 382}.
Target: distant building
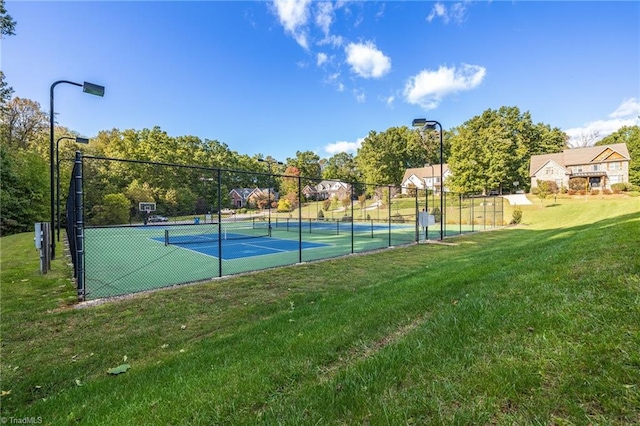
{"x": 425, "y": 177}
{"x": 242, "y": 197}
{"x": 602, "y": 166}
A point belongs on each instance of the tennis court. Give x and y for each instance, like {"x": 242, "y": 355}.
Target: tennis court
{"x": 234, "y": 245}
{"x": 128, "y": 259}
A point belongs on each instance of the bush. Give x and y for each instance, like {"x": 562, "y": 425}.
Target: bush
{"x": 326, "y": 204}
{"x": 595, "y": 191}
{"x": 571, "y": 192}
{"x": 606, "y": 191}
{"x": 516, "y": 216}
{"x": 346, "y": 219}
{"x": 619, "y": 187}
{"x": 578, "y": 184}
{"x": 320, "y": 215}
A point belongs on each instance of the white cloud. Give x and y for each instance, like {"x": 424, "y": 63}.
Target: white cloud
{"x": 324, "y": 16}
{"x": 628, "y": 108}
{"x": 293, "y": 15}
{"x": 428, "y": 87}
{"x": 389, "y": 101}
{"x": 342, "y": 146}
{"x": 625, "y": 115}
{"x": 455, "y": 13}
{"x": 321, "y": 58}
{"x": 360, "y": 96}
{"x": 366, "y": 60}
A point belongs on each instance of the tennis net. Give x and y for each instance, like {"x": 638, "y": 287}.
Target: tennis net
{"x": 214, "y": 232}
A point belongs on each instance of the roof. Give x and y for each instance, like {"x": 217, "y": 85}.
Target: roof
{"x": 425, "y": 172}
{"x": 580, "y": 156}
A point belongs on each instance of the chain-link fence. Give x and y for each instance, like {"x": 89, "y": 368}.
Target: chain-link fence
{"x": 206, "y": 223}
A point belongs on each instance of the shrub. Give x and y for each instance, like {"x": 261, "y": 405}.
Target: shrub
{"x": 619, "y": 187}
{"x": 320, "y": 215}
{"x": 571, "y": 192}
{"x": 578, "y": 184}
{"x": 516, "y": 216}
{"x": 606, "y": 191}
{"x": 582, "y": 192}
{"x": 595, "y": 191}
{"x": 326, "y": 204}
{"x": 346, "y": 219}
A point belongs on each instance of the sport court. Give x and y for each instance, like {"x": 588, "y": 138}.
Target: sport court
{"x": 128, "y": 259}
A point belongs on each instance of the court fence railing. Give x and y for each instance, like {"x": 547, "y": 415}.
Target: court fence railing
{"x": 213, "y": 222}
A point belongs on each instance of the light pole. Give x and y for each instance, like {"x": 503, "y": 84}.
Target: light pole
{"x": 92, "y": 89}
{"x": 269, "y": 163}
{"x": 78, "y": 140}
{"x": 425, "y": 124}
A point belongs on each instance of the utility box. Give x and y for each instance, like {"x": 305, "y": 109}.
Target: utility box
{"x": 42, "y": 243}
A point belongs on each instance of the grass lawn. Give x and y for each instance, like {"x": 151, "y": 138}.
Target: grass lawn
{"x": 533, "y": 324}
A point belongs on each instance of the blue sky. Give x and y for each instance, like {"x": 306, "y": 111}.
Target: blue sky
{"x": 273, "y": 78}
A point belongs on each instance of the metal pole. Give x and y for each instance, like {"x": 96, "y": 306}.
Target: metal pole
{"x": 441, "y": 185}
{"x": 51, "y": 162}
{"x": 269, "y": 197}
{"x": 79, "y": 227}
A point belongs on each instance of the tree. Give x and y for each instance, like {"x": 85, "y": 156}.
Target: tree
{"x": 308, "y": 164}
{"x": 24, "y": 190}
{"x": 383, "y": 157}
{"x": 114, "y": 210}
{"x": 493, "y": 150}
{"x": 7, "y": 24}
{"x": 543, "y": 190}
{"x": 5, "y": 92}
{"x": 22, "y": 122}
{"x": 290, "y": 181}
{"x": 341, "y": 166}
{"x": 631, "y": 136}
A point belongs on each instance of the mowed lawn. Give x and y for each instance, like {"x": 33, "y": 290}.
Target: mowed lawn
{"x": 532, "y": 324}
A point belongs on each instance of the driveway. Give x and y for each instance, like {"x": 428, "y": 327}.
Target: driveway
{"x": 517, "y": 199}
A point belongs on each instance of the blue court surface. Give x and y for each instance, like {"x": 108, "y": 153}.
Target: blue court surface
{"x": 234, "y": 247}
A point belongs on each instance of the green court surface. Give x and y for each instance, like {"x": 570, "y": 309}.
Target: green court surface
{"x": 129, "y": 259}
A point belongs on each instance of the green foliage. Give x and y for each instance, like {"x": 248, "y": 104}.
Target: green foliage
{"x": 619, "y": 187}
{"x": 114, "y": 210}
{"x": 631, "y": 136}
{"x": 494, "y": 149}
{"x": 24, "y": 190}
{"x": 334, "y": 203}
{"x": 544, "y": 190}
{"x": 516, "y": 216}
{"x": 320, "y": 215}
{"x": 578, "y": 184}
{"x": 384, "y": 157}
{"x": 341, "y": 166}
{"x": 7, "y": 24}
{"x": 284, "y": 205}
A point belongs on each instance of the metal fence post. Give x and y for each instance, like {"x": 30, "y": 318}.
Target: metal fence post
{"x": 80, "y": 279}
{"x": 219, "y": 223}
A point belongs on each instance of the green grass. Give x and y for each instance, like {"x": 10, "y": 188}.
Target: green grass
{"x": 534, "y": 324}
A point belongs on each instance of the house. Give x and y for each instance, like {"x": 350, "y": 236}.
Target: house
{"x": 425, "y": 177}
{"x": 602, "y": 166}
{"x": 328, "y": 189}
{"x": 242, "y": 197}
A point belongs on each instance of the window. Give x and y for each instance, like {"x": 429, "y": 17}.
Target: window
{"x": 615, "y": 179}
{"x": 548, "y": 171}
{"x": 614, "y": 166}
{"x": 577, "y": 169}
{"x": 595, "y": 167}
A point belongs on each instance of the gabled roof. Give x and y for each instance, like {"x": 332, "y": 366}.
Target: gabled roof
{"x": 581, "y": 156}
{"x": 425, "y": 172}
